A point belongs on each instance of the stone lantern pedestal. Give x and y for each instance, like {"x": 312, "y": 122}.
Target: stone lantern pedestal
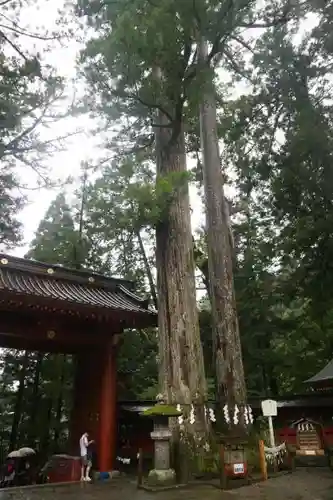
{"x": 162, "y": 474}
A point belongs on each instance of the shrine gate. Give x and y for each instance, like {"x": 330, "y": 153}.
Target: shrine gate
{"x": 50, "y": 308}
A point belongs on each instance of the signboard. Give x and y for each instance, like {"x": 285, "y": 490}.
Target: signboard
{"x": 239, "y": 469}
{"x": 269, "y": 408}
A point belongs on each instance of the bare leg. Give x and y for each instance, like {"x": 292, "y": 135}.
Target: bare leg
{"x": 88, "y": 471}
{"x": 82, "y": 472}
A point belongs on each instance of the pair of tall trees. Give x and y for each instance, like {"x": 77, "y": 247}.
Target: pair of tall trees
{"x": 153, "y": 66}
{"x": 159, "y": 90}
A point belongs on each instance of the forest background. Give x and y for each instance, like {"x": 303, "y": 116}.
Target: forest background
{"x": 273, "y": 85}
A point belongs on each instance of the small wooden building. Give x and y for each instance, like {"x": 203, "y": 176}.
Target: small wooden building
{"x": 311, "y": 430}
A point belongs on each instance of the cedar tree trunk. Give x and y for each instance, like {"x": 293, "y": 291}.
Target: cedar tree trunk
{"x": 19, "y": 403}
{"x": 181, "y": 371}
{"x": 35, "y": 400}
{"x": 231, "y": 387}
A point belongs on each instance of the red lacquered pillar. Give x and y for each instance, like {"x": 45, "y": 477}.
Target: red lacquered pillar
{"x": 107, "y": 411}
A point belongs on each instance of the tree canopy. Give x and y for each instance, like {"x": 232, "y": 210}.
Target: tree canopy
{"x": 272, "y": 71}
{"x": 30, "y": 91}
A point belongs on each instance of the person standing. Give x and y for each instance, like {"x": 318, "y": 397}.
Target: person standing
{"x": 85, "y": 462}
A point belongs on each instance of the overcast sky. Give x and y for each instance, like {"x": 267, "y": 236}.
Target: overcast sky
{"x": 79, "y": 147}
{"x": 82, "y": 147}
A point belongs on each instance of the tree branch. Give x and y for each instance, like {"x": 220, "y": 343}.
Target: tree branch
{"x": 284, "y": 18}
{"x": 149, "y": 105}
{"x": 20, "y": 31}
{"x": 243, "y": 43}
{"x": 33, "y": 167}
{"x": 219, "y": 39}
{"x": 236, "y": 67}
{"x": 2, "y": 35}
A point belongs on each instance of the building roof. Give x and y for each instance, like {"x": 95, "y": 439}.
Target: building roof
{"x": 324, "y": 377}
{"x": 36, "y": 282}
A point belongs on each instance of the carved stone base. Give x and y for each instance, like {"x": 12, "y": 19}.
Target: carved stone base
{"x": 165, "y": 477}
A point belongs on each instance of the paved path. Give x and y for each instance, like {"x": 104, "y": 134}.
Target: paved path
{"x": 305, "y": 484}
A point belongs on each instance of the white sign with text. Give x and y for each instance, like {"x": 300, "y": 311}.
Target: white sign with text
{"x": 239, "y": 468}
{"x": 269, "y": 408}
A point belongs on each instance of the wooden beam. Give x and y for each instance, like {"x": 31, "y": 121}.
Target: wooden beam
{"x": 33, "y": 345}
{"x": 48, "y": 330}
{"x": 42, "y": 334}
{"x": 32, "y": 316}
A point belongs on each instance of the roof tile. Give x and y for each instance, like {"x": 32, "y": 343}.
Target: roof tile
{"x": 48, "y": 286}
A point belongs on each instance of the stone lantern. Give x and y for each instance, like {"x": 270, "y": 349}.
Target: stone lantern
{"x": 162, "y": 474}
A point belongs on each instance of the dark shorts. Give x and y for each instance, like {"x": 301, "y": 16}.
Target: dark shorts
{"x": 85, "y": 461}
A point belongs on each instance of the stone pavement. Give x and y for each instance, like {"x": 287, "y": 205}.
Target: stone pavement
{"x": 305, "y": 484}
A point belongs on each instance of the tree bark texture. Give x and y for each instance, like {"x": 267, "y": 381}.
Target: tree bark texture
{"x": 19, "y": 403}
{"x": 35, "y": 400}
{"x": 44, "y": 445}
{"x": 182, "y": 375}
{"x": 201, "y": 262}
{"x": 59, "y": 403}
{"x": 231, "y": 387}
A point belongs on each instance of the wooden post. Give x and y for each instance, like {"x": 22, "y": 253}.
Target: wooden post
{"x": 262, "y": 460}
{"x": 140, "y": 468}
{"x": 107, "y": 413}
{"x": 275, "y": 465}
{"x": 223, "y": 475}
{"x": 291, "y": 460}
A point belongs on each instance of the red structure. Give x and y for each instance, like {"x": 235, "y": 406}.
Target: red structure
{"x": 312, "y": 429}
{"x": 305, "y": 421}
{"x": 63, "y": 469}
{"x": 53, "y": 309}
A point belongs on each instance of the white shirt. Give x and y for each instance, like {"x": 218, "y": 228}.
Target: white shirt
{"x": 84, "y": 445}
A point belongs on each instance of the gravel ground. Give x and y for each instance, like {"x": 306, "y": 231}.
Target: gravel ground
{"x": 304, "y": 484}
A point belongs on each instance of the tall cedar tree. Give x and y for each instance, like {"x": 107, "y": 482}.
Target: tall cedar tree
{"x": 182, "y": 376}
{"x": 147, "y": 38}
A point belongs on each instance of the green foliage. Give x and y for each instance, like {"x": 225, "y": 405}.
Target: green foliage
{"x": 117, "y": 219}
{"x": 136, "y": 365}
{"x": 45, "y": 423}
{"x": 277, "y": 141}
{"x": 11, "y": 204}
{"x": 134, "y": 39}
{"x": 281, "y": 161}
{"x": 30, "y": 92}
{"x": 56, "y": 240}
